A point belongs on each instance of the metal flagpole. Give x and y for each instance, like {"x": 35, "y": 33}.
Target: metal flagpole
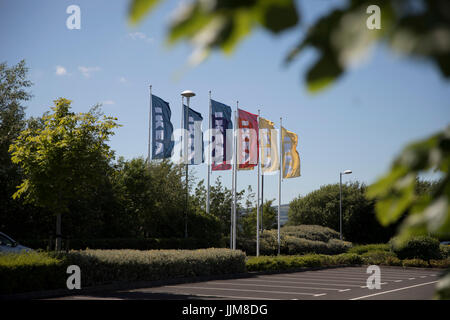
{"x": 186, "y": 159}
{"x": 235, "y": 174}
{"x": 150, "y": 127}
{"x": 262, "y": 201}
{"x": 257, "y": 203}
{"x": 279, "y": 184}
{"x": 209, "y": 155}
{"x": 233, "y": 186}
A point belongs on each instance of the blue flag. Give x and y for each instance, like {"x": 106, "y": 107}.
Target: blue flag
{"x": 162, "y": 129}
{"x": 195, "y": 136}
{"x": 222, "y": 142}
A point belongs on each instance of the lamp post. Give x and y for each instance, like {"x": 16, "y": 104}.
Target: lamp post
{"x": 187, "y": 94}
{"x": 340, "y": 199}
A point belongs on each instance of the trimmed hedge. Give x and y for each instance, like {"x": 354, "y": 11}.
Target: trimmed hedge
{"x": 30, "y": 271}
{"x": 361, "y": 249}
{"x": 291, "y": 245}
{"x": 310, "y": 232}
{"x": 380, "y": 257}
{"x": 42, "y": 271}
{"x": 127, "y": 243}
{"x": 419, "y": 247}
{"x": 279, "y": 263}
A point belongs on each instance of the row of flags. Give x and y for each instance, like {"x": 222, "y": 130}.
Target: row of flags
{"x": 254, "y": 133}
{"x": 237, "y": 141}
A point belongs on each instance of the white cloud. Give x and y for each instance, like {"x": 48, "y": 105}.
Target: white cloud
{"x": 87, "y": 71}
{"x": 108, "y": 102}
{"x": 123, "y": 80}
{"x": 140, "y": 36}
{"x": 60, "y": 71}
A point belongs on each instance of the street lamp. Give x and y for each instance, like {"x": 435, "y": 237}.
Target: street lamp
{"x": 340, "y": 198}
{"x": 186, "y": 94}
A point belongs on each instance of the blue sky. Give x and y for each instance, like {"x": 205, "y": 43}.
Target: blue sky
{"x": 360, "y": 123}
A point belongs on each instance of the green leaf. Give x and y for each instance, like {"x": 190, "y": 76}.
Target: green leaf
{"x": 323, "y": 73}
{"x": 139, "y": 8}
{"x": 279, "y": 16}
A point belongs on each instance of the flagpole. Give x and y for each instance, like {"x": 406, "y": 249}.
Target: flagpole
{"x": 209, "y": 156}
{"x": 257, "y": 203}
{"x": 233, "y": 186}
{"x": 188, "y": 94}
{"x": 235, "y": 175}
{"x": 150, "y": 127}
{"x": 279, "y": 185}
{"x": 262, "y": 202}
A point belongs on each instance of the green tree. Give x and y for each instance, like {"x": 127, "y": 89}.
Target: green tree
{"x": 321, "y": 207}
{"x": 63, "y": 160}
{"x": 13, "y": 93}
{"x": 221, "y": 202}
{"x": 248, "y": 221}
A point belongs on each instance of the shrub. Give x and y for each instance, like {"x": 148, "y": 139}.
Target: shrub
{"x": 444, "y": 263}
{"x": 420, "y": 247}
{"x": 128, "y": 243}
{"x": 445, "y": 251}
{"x": 360, "y": 249}
{"x": 380, "y": 257}
{"x": 280, "y": 263}
{"x": 291, "y": 245}
{"x": 346, "y": 259}
{"x": 48, "y": 270}
{"x": 30, "y": 271}
{"x": 310, "y": 232}
{"x": 415, "y": 263}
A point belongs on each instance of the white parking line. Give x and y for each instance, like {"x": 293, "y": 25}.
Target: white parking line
{"x": 362, "y": 277}
{"x": 389, "y": 291}
{"x": 223, "y": 296}
{"x": 321, "y": 279}
{"x": 383, "y": 270}
{"x": 274, "y": 286}
{"x": 250, "y": 290}
{"x": 303, "y": 282}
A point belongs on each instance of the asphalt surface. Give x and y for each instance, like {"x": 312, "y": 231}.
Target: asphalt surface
{"x": 327, "y": 284}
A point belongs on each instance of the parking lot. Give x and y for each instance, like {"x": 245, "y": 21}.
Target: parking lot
{"x": 327, "y": 284}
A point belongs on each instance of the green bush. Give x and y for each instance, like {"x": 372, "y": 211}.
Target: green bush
{"x": 361, "y": 249}
{"x": 310, "y": 232}
{"x": 444, "y": 263}
{"x": 445, "y": 251}
{"x": 128, "y": 243}
{"x": 381, "y": 257}
{"x": 420, "y": 247}
{"x": 415, "y": 263}
{"x": 280, "y": 263}
{"x": 292, "y": 245}
{"x": 41, "y": 271}
{"x": 30, "y": 271}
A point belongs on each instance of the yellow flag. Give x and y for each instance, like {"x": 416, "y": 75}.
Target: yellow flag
{"x": 291, "y": 159}
{"x": 269, "y": 147}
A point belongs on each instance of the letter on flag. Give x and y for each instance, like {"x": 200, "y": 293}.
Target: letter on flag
{"x": 247, "y": 144}
{"x": 269, "y": 146}
{"x": 291, "y": 159}
{"x": 162, "y": 129}
{"x": 195, "y": 136}
{"x": 222, "y": 137}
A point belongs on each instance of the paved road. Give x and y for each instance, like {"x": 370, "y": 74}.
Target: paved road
{"x": 328, "y": 284}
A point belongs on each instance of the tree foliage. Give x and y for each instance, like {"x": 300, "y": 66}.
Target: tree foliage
{"x": 321, "y": 207}
{"x": 62, "y": 160}
{"x": 341, "y": 38}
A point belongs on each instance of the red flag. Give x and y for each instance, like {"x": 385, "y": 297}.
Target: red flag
{"x": 247, "y": 145}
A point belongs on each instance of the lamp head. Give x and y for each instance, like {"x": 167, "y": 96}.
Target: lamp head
{"x": 187, "y": 93}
